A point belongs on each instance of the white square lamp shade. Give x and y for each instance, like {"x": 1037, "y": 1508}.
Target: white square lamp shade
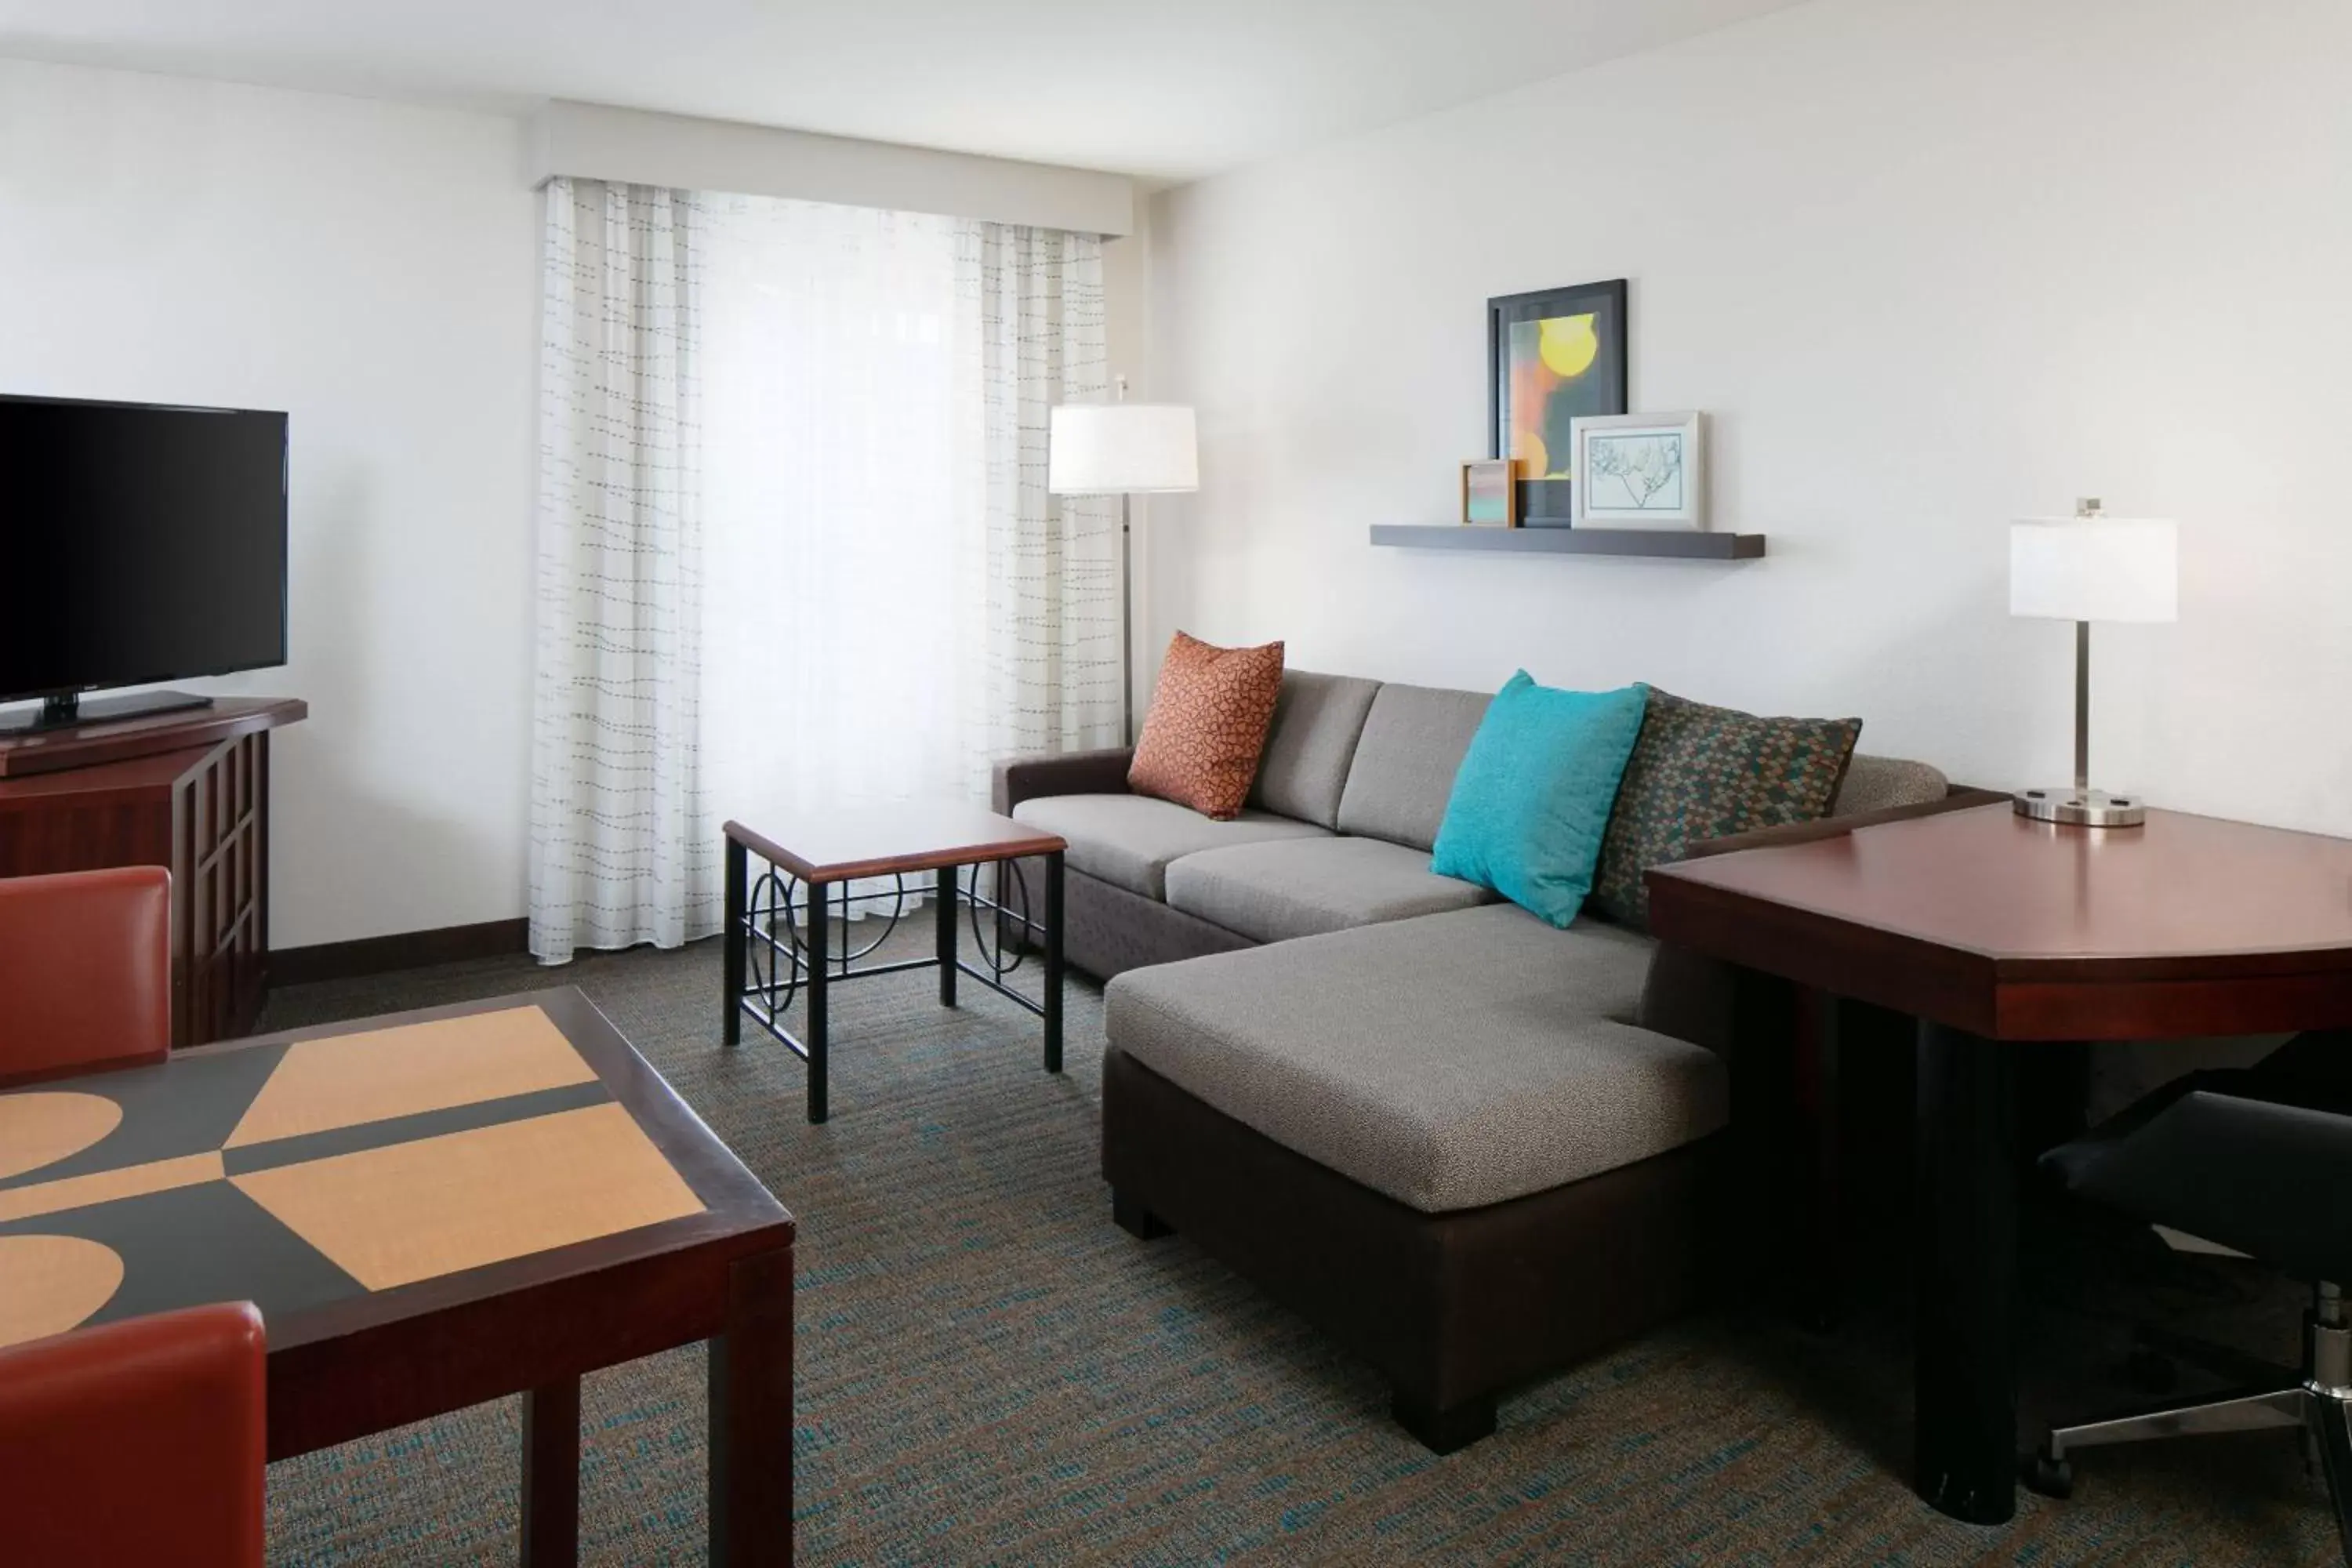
{"x": 1121, "y": 449}
{"x": 2091, "y": 567}
{"x": 2095, "y": 569}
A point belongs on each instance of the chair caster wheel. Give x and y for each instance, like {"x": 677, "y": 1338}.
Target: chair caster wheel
{"x": 2051, "y": 1476}
{"x": 2151, "y": 1371}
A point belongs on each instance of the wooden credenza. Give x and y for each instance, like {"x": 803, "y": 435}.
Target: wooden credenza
{"x": 187, "y": 791}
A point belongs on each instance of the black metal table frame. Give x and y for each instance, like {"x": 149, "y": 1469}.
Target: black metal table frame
{"x": 772, "y": 953}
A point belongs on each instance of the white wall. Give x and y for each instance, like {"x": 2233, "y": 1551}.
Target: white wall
{"x": 1930, "y": 264}
{"x": 373, "y": 270}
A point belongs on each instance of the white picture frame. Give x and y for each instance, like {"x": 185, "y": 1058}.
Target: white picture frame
{"x": 1640, "y": 471}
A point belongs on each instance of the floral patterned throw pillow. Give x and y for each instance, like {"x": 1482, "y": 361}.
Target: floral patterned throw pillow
{"x": 1700, "y": 772}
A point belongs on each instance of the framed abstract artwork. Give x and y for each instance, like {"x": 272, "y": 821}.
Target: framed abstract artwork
{"x": 1552, "y": 356}
{"x": 1640, "y": 471}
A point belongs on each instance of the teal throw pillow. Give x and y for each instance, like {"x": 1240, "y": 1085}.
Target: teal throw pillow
{"x": 1532, "y": 800}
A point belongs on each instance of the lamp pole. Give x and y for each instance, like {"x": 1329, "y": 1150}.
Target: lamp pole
{"x": 2087, "y": 509}
{"x": 1126, "y": 600}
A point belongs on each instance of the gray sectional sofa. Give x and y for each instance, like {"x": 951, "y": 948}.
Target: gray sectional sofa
{"x": 1472, "y": 1147}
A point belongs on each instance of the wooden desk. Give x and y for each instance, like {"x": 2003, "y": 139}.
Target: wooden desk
{"x": 1992, "y": 930}
{"x": 431, "y": 1210}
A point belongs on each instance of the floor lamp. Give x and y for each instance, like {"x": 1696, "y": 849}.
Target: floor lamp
{"x": 1124, "y": 449}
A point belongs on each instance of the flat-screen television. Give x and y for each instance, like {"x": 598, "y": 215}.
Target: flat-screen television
{"x": 138, "y": 543}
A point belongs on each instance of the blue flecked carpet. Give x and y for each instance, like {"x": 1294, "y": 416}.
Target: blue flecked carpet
{"x": 990, "y": 1372}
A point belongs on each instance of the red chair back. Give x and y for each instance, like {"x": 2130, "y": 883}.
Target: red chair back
{"x": 85, "y": 971}
{"x": 137, "y": 1441}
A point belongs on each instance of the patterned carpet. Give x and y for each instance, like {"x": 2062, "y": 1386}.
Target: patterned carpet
{"x": 991, "y": 1373}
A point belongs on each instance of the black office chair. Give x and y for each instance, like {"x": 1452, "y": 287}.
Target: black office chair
{"x": 2259, "y": 1161}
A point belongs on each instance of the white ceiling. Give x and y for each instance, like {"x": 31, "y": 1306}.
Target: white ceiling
{"x": 1172, "y": 89}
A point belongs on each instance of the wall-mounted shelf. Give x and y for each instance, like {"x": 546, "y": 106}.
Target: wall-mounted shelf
{"x": 1676, "y": 544}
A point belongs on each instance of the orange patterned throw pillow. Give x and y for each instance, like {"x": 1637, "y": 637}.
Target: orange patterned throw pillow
{"x": 1207, "y": 725}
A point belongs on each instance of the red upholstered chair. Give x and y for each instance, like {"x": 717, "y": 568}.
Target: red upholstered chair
{"x": 85, "y": 971}
{"x": 137, "y": 1441}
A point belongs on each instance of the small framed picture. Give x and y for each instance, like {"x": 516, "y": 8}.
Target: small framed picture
{"x": 1640, "y": 470}
{"x": 1490, "y": 493}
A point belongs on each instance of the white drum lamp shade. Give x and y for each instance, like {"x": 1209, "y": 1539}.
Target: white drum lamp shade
{"x": 1121, "y": 449}
{"x": 2095, "y": 569}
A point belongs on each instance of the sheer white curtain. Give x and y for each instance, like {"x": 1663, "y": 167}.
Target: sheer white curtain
{"x": 887, "y": 600}
{"x": 845, "y": 582}
{"x": 894, "y": 600}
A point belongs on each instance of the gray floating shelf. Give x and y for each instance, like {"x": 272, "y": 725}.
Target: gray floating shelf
{"x": 1676, "y": 543}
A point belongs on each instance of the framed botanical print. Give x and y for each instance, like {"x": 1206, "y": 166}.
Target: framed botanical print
{"x": 1552, "y": 356}
{"x": 1640, "y": 470}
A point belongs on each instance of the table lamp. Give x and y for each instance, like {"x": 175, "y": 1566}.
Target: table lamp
{"x": 2091, "y": 567}
{"x": 1123, "y": 449}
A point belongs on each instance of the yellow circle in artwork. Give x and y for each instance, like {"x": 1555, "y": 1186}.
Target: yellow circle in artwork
{"x": 52, "y": 1283}
{"x": 45, "y": 1126}
{"x": 1534, "y": 459}
{"x": 1568, "y": 345}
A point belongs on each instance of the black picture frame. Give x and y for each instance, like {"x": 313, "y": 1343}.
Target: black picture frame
{"x": 1550, "y": 503}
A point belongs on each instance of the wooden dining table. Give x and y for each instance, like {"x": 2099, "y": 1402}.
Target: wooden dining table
{"x": 431, "y": 1210}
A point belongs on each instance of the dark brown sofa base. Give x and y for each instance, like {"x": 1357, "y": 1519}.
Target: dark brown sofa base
{"x": 1112, "y": 931}
{"x": 1455, "y": 1309}
{"x": 1107, "y": 931}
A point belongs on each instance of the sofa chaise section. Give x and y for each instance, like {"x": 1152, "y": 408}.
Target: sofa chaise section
{"x": 1448, "y": 1062}
{"x": 1442, "y": 1138}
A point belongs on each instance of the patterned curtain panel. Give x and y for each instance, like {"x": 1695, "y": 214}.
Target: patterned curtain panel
{"x": 1032, "y": 336}
{"x": 620, "y": 851}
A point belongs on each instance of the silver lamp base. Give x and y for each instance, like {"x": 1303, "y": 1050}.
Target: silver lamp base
{"x": 2080, "y": 807}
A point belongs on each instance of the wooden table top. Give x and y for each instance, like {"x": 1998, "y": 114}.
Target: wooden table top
{"x": 833, "y": 844}
{"x": 352, "y": 1176}
{"x": 1991, "y": 922}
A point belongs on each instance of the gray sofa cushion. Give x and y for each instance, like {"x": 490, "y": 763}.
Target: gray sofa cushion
{"x": 1451, "y": 1062}
{"x": 1406, "y": 762}
{"x": 1304, "y": 887}
{"x": 1313, "y": 739}
{"x": 1128, "y": 839}
{"x": 1876, "y": 784}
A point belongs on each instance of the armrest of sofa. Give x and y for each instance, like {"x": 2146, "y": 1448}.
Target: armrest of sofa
{"x": 1018, "y": 779}
{"x": 1960, "y": 798}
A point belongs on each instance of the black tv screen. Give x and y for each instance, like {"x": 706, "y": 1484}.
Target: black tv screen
{"x": 138, "y": 542}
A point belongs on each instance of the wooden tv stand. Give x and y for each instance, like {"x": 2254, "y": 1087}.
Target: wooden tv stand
{"x": 186, "y": 790}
